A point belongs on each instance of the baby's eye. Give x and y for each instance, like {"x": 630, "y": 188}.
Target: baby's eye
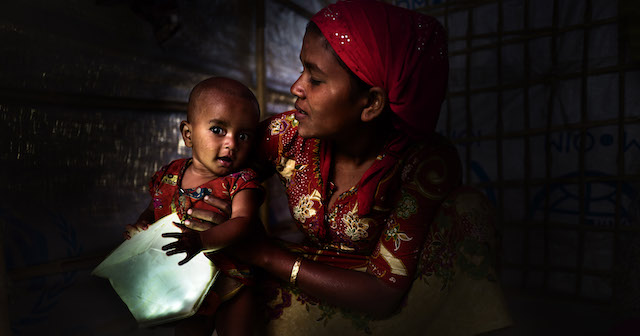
{"x": 244, "y": 137}
{"x": 216, "y": 130}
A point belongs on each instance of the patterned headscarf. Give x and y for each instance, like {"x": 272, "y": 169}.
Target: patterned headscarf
{"x": 402, "y": 51}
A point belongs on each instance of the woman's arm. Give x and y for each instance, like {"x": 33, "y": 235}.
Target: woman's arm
{"x": 401, "y": 242}
{"x": 341, "y": 287}
{"x": 428, "y": 175}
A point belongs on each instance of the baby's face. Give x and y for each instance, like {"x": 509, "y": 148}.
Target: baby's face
{"x": 222, "y": 134}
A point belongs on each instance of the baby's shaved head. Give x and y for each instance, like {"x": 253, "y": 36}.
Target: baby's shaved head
{"x": 216, "y": 88}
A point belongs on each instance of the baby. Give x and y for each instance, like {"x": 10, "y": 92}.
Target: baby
{"x": 222, "y": 117}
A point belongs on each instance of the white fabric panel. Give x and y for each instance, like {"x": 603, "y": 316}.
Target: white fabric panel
{"x": 284, "y": 30}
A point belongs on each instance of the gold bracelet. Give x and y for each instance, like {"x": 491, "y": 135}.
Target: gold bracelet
{"x": 294, "y": 271}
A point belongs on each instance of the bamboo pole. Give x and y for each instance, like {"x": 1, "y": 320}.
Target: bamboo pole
{"x": 261, "y": 88}
{"x": 261, "y": 83}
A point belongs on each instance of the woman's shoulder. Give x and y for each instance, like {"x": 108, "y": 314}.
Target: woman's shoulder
{"x": 434, "y": 159}
{"x": 432, "y": 146}
{"x": 279, "y": 136}
{"x": 280, "y": 125}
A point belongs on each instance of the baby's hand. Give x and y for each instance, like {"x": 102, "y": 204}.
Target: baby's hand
{"x": 188, "y": 242}
{"x": 133, "y": 229}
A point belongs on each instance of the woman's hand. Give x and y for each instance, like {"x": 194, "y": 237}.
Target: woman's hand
{"x": 188, "y": 241}
{"x": 201, "y": 220}
{"x": 342, "y": 287}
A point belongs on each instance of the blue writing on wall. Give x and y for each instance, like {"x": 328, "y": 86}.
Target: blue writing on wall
{"x": 567, "y": 142}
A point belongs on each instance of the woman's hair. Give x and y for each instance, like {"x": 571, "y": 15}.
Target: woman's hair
{"x": 359, "y": 85}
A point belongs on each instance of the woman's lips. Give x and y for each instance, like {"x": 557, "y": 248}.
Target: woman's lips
{"x": 300, "y": 113}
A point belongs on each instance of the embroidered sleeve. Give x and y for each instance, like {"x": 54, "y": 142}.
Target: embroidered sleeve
{"x": 278, "y": 134}
{"x": 427, "y": 176}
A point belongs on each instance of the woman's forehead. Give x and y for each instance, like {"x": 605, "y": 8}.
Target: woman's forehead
{"x": 317, "y": 52}
{"x": 318, "y": 40}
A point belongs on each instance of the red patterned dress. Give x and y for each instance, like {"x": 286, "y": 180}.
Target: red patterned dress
{"x": 168, "y": 197}
{"x": 379, "y": 226}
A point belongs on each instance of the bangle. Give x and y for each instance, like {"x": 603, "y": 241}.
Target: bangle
{"x": 294, "y": 271}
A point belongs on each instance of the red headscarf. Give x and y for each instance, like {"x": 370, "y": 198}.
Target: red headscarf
{"x": 402, "y": 51}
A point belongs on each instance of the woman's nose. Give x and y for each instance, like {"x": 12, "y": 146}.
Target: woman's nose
{"x": 296, "y": 88}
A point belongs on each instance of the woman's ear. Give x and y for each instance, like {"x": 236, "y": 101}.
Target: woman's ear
{"x": 185, "y": 130}
{"x": 376, "y": 104}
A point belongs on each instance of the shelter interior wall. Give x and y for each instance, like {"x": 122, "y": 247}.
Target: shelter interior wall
{"x": 542, "y": 107}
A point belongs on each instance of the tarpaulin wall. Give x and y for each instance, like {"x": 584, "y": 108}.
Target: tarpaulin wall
{"x": 543, "y": 104}
{"x": 91, "y": 95}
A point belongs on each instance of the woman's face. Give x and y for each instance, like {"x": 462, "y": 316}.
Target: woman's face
{"x": 326, "y": 104}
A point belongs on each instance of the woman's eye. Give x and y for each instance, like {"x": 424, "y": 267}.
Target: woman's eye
{"x": 244, "y": 137}
{"x": 311, "y": 80}
{"x": 216, "y": 130}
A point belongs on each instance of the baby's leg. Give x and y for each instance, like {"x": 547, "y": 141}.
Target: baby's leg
{"x": 237, "y": 316}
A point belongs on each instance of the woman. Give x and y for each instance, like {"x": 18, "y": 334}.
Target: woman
{"x": 365, "y": 175}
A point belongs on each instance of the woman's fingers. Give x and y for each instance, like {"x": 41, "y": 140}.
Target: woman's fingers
{"x": 202, "y": 219}
{"x": 223, "y": 206}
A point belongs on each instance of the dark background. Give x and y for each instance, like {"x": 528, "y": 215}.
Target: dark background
{"x": 92, "y": 92}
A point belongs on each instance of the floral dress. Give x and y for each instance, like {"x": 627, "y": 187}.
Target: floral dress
{"x": 379, "y": 226}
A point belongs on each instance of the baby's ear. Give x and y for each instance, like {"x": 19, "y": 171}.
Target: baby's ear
{"x": 375, "y": 104}
{"x": 185, "y": 130}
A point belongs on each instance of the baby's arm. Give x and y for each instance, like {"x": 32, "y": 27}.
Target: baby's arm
{"x": 243, "y": 219}
{"x": 244, "y": 212}
{"x": 145, "y": 218}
